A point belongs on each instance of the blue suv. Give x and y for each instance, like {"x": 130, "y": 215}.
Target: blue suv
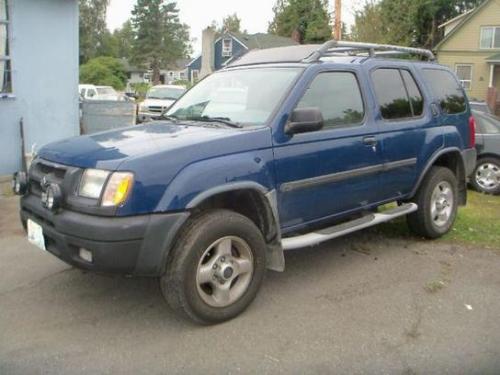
{"x": 283, "y": 149}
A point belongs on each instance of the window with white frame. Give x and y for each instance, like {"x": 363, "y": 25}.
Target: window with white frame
{"x": 5, "y": 64}
{"x": 227, "y": 47}
{"x": 490, "y": 37}
{"x": 464, "y": 74}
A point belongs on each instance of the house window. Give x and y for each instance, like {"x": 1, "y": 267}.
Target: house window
{"x": 227, "y": 47}
{"x": 464, "y": 73}
{"x": 5, "y": 64}
{"x": 490, "y": 37}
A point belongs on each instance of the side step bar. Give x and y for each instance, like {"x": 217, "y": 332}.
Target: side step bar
{"x": 315, "y": 238}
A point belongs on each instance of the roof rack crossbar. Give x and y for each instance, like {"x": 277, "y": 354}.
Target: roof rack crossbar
{"x": 335, "y": 46}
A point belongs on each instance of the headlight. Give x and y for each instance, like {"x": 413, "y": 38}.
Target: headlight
{"x": 143, "y": 108}
{"x": 117, "y": 189}
{"x": 92, "y": 183}
{"x": 114, "y": 187}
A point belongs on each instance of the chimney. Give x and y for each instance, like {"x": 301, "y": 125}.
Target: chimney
{"x": 207, "y": 52}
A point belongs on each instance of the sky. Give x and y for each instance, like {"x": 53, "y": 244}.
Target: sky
{"x": 198, "y": 14}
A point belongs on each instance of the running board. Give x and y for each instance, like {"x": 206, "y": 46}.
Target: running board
{"x": 315, "y": 238}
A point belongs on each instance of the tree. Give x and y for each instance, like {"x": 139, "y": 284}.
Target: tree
{"x": 160, "y": 38}
{"x": 412, "y": 23}
{"x": 231, "y": 23}
{"x": 104, "y": 71}
{"x": 92, "y": 27}
{"x": 309, "y": 18}
{"x": 124, "y": 38}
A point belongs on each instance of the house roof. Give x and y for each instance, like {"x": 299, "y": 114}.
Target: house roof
{"x": 494, "y": 58}
{"x": 465, "y": 18}
{"x": 454, "y": 19}
{"x": 263, "y": 41}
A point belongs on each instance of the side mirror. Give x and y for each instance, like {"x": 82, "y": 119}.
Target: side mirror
{"x": 304, "y": 120}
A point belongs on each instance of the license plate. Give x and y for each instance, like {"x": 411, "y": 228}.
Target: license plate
{"x": 35, "y": 234}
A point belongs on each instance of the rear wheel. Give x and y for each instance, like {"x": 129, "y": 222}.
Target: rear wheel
{"x": 437, "y": 200}
{"x": 216, "y": 268}
{"x": 486, "y": 177}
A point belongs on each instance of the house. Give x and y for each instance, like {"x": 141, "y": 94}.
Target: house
{"x": 176, "y": 71}
{"x": 471, "y": 47}
{"x": 38, "y": 75}
{"x": 219, "y": 49}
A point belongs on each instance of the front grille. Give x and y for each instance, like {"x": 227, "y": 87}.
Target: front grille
{"x": 53, "y": 173}
{"x": 157, "y": 109}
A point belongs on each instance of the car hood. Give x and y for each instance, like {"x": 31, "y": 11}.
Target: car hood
{"x": 108, "y": 150}
{"x": 158, "y": 102}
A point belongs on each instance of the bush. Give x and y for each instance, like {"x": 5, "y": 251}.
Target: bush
{"x": 104, "y": 71}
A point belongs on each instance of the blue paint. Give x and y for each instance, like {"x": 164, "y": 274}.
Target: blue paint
{"x": 174, "y": 163}
{"x": 44, "y": 53}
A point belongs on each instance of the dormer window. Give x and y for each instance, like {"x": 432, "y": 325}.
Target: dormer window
{"x": 490, "y": 37}
{"x": 227, "y": 47}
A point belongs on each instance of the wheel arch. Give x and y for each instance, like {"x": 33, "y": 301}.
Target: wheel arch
{"x": 253, "y": 201}
{"x": 452, "y": 159}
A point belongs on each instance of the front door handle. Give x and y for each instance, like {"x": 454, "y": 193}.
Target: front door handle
{"x": 371, "y": 141}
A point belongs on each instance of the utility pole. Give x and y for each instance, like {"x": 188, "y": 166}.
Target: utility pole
{"x": 337, "y": 27}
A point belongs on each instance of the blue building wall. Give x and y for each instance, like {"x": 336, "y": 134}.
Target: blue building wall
{"x": 44, "y": 53}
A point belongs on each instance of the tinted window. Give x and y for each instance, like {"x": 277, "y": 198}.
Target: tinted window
{"x": 391, "y": 94}
{"x": 416, "y": 100}
{"x": 338, "y": 97}
{"x": 446, "y": 90}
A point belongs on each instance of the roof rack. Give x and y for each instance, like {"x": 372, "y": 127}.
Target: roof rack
{"x": 337, "y": 47}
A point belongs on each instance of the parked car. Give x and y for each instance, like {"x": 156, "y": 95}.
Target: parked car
{"x": 207, "y": 199}
{"x": 158, "y": 100}
{"x": 486, "y": 176}
{"x": 92, "y": 92}
{"x": 480, "y": 106}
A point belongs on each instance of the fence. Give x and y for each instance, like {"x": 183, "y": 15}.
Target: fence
{"x": 100, "y": 115}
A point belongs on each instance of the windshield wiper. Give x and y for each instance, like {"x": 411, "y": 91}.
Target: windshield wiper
{"x": 169, "y": 117}
{"x": 222, "y": 120}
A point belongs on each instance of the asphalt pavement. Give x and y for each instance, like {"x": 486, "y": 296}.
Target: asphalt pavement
{"x": 364, "y": 304}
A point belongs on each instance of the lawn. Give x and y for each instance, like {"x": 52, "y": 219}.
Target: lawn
{"x": 477, "y": 224}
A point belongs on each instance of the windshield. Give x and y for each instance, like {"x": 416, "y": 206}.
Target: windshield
{"x": 171, "y": 93}
{"x": 482, "y": 107}
{"x": 106, "y": 91}
{"x": 245, "y": 97}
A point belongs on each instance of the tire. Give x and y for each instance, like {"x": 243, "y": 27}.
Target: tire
{"x": 437, "y": 200}
{"x": 486, "y": 176}
{"x": 217, "y": 238}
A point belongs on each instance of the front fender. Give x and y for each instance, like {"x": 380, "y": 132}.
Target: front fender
{"x": 204, "y": 178}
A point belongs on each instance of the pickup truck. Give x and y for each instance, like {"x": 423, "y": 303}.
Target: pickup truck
{"x": 308, "y": 146}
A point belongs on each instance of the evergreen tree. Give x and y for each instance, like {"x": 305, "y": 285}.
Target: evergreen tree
{"x": 92, "y": 27}
{"x": 160, "y": 38}
{"x": 309, "y": 18}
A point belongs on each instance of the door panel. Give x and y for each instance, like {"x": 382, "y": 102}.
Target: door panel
{"x": 327, "y": 172}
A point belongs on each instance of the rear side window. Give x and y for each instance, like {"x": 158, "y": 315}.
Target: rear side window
{"x": 338, "y": 96}
{"x": 397, "y": 94}
{"x": 446, "y": 89}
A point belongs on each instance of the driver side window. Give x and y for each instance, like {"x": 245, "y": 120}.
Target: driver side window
{"x": 337, "y": 95}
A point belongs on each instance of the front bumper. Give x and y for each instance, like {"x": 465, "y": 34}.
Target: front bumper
{"x": 136, "y": 245}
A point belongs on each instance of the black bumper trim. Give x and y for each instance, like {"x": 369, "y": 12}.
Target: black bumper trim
{"x": 137, "y": 245}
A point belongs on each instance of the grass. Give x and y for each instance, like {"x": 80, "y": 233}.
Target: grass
{"x": 477, "y": 224}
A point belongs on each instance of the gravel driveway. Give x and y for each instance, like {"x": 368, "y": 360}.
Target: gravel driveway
{"x": 362, "y": 304}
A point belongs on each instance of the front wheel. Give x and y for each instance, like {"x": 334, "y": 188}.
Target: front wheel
{"x": 437, "y": 200}
{"x": 216, "y": 267}
{"x": 486, "y": 177}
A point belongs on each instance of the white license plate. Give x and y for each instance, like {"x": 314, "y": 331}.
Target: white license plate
{"x": 35, "y": 234}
